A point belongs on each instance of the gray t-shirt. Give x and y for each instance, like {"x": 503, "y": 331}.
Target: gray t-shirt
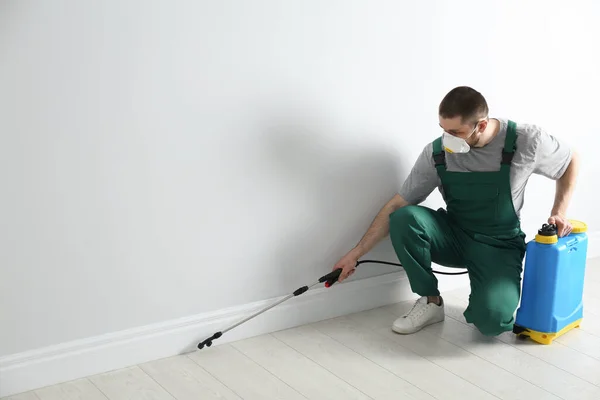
{"x": 537, "y": 153}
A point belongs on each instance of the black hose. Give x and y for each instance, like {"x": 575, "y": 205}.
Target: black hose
{"x": 399, "y": 265}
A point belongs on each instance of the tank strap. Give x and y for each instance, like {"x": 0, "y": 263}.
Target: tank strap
{"x": 510, "y": 144}
{"x": 439, "y": 155}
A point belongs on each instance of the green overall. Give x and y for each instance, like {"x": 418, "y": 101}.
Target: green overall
{"x": 480, "y": 230}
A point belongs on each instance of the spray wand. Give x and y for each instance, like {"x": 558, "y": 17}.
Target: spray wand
{"x": 329, "y": 279}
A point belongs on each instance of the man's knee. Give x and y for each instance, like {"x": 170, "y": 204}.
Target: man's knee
{"x": 492, "y": 312}
{"x": 405, "y": 217}
{"x": 492, "y": 322}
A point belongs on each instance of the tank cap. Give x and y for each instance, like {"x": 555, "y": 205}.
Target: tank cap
{"x": 547, "y": 234}
{"x": 578, "y": 226}
{"x": 547, "y": 230}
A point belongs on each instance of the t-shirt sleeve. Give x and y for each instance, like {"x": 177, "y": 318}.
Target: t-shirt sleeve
{"x": 552, "y": 155}
{"x": 421, "y": 180}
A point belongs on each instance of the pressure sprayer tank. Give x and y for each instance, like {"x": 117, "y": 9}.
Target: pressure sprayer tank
{"x": 552, "y": 294}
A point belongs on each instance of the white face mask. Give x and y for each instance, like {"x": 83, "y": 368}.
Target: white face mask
{"x": 454, "y": 144}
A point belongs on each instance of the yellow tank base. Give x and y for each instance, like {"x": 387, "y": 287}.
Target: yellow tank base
{"x": 546, "y": 337}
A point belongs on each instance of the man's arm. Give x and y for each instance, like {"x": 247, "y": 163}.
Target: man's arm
{"x": 379, "y": 229}
{"x": 565, "y": 186}
{"x": 556, "y": 160}
{"x": 420, "y": 182}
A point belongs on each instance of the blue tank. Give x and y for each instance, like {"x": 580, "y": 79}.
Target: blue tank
{"x": 552, "y": 294}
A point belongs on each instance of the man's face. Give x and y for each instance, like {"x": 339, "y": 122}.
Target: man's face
{"x": 471, "y": 132}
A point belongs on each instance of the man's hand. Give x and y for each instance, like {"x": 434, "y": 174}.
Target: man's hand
{"x": 347, "y": 264}
{"x": 563, "y": 225}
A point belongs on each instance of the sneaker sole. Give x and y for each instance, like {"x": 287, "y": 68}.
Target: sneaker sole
{"x": 416, "y": 329}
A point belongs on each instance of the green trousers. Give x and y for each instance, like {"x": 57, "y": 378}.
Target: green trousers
{"x": 421, "y": 236}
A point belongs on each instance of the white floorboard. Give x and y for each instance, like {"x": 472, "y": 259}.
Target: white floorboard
{"x": 243, "y": 375}
{"x": 24, "y": 396}
{"x": 313, "y": 382}
{"x": 558, "y": 354}
{"x": 81, "y": 389}
{"x": 130, "y": 383}
{"x": 517, "y": 362}
{"x": 359, "y": 357}
{"x": 583, "y": 342}
{"x": 421, "y": 372}
{"x": 186, "y": 380}
{"x": 364, "y": 374}
{"x": 479, "y": 372}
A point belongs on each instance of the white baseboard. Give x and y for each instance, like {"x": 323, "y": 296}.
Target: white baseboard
{"x": 73, "y": 360}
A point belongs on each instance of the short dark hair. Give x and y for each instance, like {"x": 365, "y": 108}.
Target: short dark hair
{"x": 464, "y": 102}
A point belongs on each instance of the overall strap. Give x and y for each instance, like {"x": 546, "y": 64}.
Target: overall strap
{"x": 510, "y": 145}
{"x": 439, "y": 156}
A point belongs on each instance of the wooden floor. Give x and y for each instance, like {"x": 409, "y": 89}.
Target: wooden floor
{"x": 359, "y": 357}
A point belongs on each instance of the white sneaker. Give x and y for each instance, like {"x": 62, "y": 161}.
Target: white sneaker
{"x": 419, "y": 316}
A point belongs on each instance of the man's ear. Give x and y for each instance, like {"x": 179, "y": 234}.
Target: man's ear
{"x": 483, "y": 125}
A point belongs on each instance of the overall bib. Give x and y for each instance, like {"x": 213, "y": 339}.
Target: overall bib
{"x": 480, "y": 230}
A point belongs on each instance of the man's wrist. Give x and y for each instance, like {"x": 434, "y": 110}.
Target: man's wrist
{"x": 357, "y": 252}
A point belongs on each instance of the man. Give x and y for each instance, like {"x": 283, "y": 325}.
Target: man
{"x": 481, "y": 167}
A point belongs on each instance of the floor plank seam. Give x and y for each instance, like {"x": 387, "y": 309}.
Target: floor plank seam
{"x": 594, "y": 334}
{"x": 577, "y": 350}
{"x": 494, "y": 364}
{"x": 269, "y": 372}
{"x": 157, "y": 382}
{"x": 322, "y": 366}
{"x": 99, "y": 390}
{"x": 516, "y": 347}
{"x": 326, "y": 369}
{"x": 418, "y": 355}
{"x": 532, "y": 355}
{"x": 499, "y": 366}
{"x": 376, "y": 363}
{"x": 216, "y": 378}
{"x": 441, "y": 366}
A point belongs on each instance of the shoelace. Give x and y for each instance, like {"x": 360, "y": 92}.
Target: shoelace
{"x": 419, "y": 313}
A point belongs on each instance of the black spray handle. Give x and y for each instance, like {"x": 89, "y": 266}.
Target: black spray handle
{"x": 331, "y": 277}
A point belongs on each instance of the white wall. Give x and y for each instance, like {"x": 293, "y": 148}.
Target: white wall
{"x": 161, "y": 159}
